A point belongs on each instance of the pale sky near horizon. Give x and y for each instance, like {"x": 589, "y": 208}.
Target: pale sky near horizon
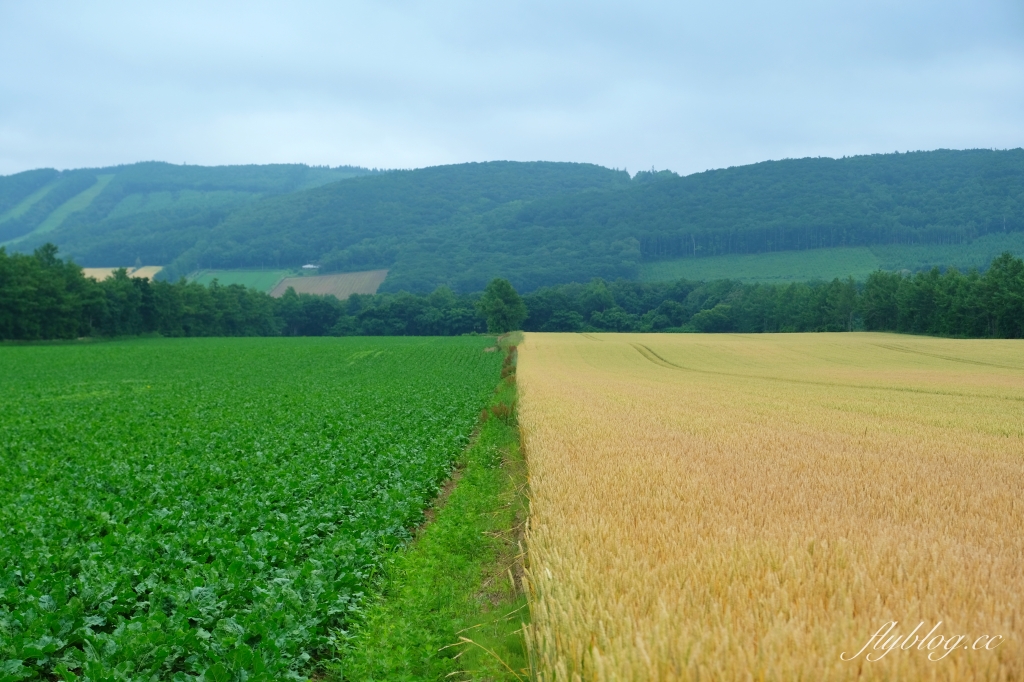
{"x": 394, "y": 84}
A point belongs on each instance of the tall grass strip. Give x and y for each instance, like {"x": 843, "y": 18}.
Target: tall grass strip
{"x": 452, "y": 605}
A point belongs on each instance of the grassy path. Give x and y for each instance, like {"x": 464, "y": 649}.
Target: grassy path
{"x": 452, "y": 605}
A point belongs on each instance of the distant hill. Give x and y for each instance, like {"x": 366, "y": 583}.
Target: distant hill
{"x": 145, "y": 211}
{"x": 428, "y": 223}
{"x": 535, "y": 223}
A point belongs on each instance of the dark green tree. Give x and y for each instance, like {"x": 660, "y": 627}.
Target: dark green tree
{"x": 878, "y": 303}
{"x": 44, "y": 297}
{"x": 502, "y": 307}
{"x": 1004, "y": 294}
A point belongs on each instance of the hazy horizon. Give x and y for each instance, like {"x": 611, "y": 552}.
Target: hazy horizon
{"x": 632, "y": 172}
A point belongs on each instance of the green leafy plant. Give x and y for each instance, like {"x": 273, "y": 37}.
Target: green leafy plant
{"x": 215, "y": 509}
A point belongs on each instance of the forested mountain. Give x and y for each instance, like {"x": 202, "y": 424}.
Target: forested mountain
{"x": 540, "y": 224}
{"x": 927, "y": 197}
{"x": 119, "y": 214}
{"x": 427, "y": 225}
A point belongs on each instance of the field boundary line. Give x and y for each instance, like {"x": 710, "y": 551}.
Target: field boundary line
{"x": 656, "y": 359}
{"x": 950, "y": 358}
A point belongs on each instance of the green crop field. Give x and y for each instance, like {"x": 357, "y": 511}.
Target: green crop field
{"x": 780, "y": 266}
{"x": 193, "y": 509}
{"x": 340, "y": 285}
{"x": 827, "y": 264}
{"x": 261, "y": 280}
{"x": 976, "y": 254}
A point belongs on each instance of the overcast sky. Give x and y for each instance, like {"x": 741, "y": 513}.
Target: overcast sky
{"x": 393, "y": 84}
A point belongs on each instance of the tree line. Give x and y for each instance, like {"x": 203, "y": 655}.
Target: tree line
{"x": 45, "y": 297}
{"x": 950, "y": 303}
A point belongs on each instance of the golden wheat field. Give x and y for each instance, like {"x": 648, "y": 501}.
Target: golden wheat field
{"x": 753, "y": 507}
{"x": 145, "y": 272}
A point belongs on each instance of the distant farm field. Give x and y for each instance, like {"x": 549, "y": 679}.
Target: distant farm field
{"x": 215, "y": 509}
{"x": 341, "y": 285}
{"x": 781, "y": 266}
{"x": 828, "y": 264}
{"x": 261, "y": 280}
{"x": 100, "y": 274}
{"x": 758, "y": 507}
{"x": 147, "y": 271}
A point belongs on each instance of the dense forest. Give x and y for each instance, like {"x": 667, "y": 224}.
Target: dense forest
{"x": 536, "y": 224}
{"x": 45, "y": 297}
{"x": 932, "y": 302}
{"x": 375, "y": 222}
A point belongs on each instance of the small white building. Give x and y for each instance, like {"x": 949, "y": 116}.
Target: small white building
{"x": 310, "y": 266}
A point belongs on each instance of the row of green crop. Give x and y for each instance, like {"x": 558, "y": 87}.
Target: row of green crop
{"x": 195, "y": 509}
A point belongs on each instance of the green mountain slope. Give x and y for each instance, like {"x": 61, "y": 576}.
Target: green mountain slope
{"x": 938, "y": 198}
{"x": 411, "y": 218}
{"x": 18, "y": 192}
{"x": 35, "y": 209}
{"x": 150, "y": 211}
{"x": 924, "y": 197}
{"x": 541, "y": 223}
